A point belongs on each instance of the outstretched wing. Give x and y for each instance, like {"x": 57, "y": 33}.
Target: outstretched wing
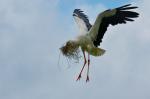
{"x": 82, "y": 21}
{"x": 115, "y": 16}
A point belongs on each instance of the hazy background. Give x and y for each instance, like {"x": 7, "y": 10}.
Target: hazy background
{"x": 31, "y": 32}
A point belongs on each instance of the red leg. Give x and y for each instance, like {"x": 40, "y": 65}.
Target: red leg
{"x": 82, "y": 67}
{"x": 87, "y": 79}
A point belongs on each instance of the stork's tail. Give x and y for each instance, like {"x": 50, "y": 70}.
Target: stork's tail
{"x": 97, "y": 51}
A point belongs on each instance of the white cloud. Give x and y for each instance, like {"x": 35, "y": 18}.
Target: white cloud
{"x": 31, "y": 32}
{"x": 143, "y": 24}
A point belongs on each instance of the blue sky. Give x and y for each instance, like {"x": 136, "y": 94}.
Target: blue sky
{"x": 31, "y": 33}
{"x": 66, "y": 5}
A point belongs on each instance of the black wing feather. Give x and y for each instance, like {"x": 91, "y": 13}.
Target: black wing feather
{"x": 121, "y": 17}
{"x": 84, "y": 17}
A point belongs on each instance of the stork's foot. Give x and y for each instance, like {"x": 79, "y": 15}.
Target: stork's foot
{"x": 87, "y": 79}
{"x": 79, "y": 77}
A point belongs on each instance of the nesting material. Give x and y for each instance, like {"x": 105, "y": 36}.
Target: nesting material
{"x": 71, "y": 51}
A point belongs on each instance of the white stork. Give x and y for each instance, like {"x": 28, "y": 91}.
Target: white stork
{"x": 92, "y": 34}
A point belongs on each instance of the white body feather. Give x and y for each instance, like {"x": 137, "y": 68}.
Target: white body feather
{"x": 87, "y": 45}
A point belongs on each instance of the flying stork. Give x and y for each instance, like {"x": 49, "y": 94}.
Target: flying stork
{"x": 91, "y": 35}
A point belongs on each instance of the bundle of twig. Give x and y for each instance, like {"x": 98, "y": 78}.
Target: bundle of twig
{"x": 71, "y": 51}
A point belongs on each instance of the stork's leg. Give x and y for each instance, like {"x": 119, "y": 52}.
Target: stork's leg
{"x": 83, "y": 66}
{"x": 87, "y": 79}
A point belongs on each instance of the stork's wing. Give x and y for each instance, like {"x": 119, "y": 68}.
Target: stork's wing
{"x": 115, "y": 16}
{"x": 82, "y": 21}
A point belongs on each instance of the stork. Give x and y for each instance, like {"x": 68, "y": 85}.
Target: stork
{"x": 91, "y": 35}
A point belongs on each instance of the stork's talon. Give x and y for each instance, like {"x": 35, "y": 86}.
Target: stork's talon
{"x": 87, "y": 79}
{"x": 79, "y": 77}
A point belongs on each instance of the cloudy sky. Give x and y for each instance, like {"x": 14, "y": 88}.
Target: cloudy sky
{"x": 31, "y": 33}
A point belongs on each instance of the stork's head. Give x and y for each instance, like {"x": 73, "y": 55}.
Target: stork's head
{"x": 71, "y": 49}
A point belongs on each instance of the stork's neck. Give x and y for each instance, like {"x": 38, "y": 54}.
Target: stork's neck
{"x": 75, "y": 41}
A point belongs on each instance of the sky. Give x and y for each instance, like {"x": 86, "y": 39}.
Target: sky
{"x": 31, "y": 33}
